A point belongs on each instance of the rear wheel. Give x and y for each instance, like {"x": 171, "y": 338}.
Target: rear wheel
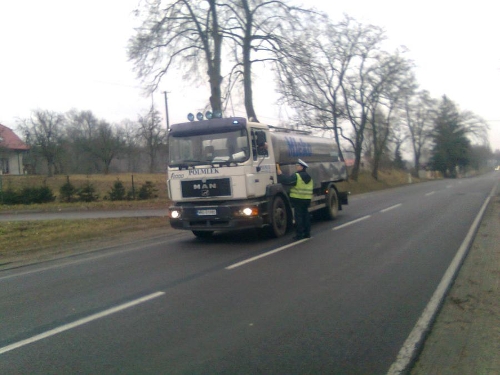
{"x": 331, "y": 211}
{"x": 203, "y": 233}
{"x": 279, "y": 217}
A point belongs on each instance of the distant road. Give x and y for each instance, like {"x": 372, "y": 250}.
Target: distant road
{"x": 73, "y": 215}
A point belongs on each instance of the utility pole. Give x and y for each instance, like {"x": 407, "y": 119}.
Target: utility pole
{"x": 166, "y": 110}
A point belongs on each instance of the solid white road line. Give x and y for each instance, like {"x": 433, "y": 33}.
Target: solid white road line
{"x": 431, "y": 193}
{"x": 392, "y": 207}
{"x": 416, "y": 338}
{"x": 80, "y": 322}
{"x": 352, "y": 222}
{"x": 239, "y": 264}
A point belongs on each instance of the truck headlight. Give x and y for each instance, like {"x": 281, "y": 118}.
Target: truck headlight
{"x": 248, "y": 211}
{"x": 175, "y": 214}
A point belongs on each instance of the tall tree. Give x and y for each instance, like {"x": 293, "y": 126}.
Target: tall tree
{"x": 420, "y": 113}
{"x": 82, "y": 130}
{"x": 258, "y": 30}
{"x": 389, "y": 82}
{"x": 153, "y": 135}
{"x": 131, "y": 144}
{"x": 313, "y": 68}
{"x": 359, "y": 91}
{"x": 108, "y": 144}
{"x": 186, "y": 33}
{"x": 45, "y": 129}
{"x": 180, "y": 34}
{"x": 451, "y": 148}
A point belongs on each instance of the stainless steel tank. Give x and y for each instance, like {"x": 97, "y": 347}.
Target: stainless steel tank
{"x": 321, "y": 154}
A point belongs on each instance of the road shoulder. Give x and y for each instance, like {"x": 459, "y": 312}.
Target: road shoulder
{"x": 465, "y": 337}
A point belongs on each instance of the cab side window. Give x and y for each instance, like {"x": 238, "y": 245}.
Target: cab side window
{"x": 259, "y": 144}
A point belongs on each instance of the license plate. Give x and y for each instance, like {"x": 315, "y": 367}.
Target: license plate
{"x": 206, "y": 212}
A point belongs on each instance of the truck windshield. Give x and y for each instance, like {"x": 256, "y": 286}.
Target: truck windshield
{"x": 213, "y": 148}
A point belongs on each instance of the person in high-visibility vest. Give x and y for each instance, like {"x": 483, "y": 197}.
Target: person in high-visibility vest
{"x": 300, "y": 196}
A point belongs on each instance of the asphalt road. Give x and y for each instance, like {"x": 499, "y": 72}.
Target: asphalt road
{"x": 343, "y": 302}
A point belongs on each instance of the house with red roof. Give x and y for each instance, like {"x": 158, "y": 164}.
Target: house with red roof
{"x": 12, "y": 150}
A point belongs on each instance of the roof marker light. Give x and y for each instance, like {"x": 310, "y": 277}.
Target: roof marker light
{"x": 199, "y": 116}
{"x": 191, "y": 117}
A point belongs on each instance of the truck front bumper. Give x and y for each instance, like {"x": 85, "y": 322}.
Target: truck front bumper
{"x": 221, "y": 217}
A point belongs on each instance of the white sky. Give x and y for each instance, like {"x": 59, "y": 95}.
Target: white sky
{"x": 62, "y": 54}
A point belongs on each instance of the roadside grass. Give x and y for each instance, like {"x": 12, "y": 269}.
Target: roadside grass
{"x": 43, "y": 238}
{"x": 36, "y": 239}
{"x": 387, "y": 179}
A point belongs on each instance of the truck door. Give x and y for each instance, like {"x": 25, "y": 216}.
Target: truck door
{"x": 263, "y": 160}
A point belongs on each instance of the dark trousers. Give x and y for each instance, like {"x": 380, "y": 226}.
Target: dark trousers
{"x": 302, "y": 217}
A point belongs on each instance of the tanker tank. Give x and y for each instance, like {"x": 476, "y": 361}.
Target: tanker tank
{"x": 321, "y": 154}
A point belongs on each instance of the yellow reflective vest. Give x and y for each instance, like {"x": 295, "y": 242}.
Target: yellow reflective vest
{"x": 301, "y": 190}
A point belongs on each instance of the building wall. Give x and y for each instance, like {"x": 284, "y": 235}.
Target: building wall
{"x": 11, "y": 162}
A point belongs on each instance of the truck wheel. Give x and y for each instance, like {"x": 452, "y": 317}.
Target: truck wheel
{"x": 279, "y": 217}
{"x": 203, "y": 233}
{"x": 331, "y": 211}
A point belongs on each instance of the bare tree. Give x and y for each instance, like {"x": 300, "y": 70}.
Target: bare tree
{"x": 358, "y": 90}
{"x": 153, "y": 135}
{"x": 388, "y": 83}
{"x": 108, "y": 144}
{"x": 312, "y": 73}
{"x": 82, "y": 130}
{"x": 420, "y": 113}
{"x": 194, "y": 32}
{"x": 398, "y": 138}
{"x": 258, "y": 30}
{"x": 46, "y": 132}
{"x": 180, "y": 34}
{"x": 131, "y": 144}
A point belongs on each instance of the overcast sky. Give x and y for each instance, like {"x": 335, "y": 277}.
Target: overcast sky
{"x": 62, "y": 54}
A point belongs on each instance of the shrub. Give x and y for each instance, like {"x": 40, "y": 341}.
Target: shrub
{"x": 67, "y": 192}
{"x": 87, "y": 193}
{"x": 118, "y": 192}
{"x": 37, "y": 195}
{"x": 10, "y": 196}
{"x": 147, "y": 191}
{"x": 27, "y": 195}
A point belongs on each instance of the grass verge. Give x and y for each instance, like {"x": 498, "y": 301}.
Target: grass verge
{"x": 38, "y": 240}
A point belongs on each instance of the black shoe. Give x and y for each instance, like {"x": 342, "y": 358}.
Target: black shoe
{"x": 297, "y": 238}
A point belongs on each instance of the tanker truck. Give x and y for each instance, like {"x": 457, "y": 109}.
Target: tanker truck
{"x": 221, "y": 175}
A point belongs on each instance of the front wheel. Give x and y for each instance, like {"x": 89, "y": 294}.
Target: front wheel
{"x": 279, "y": 217}
{"x": 203, "y": 233}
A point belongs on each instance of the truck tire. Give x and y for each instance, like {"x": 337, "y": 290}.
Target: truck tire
{"x": 279, "y": 217}
{"x": 331, "y": 211}
{"x": 203, "y": 233}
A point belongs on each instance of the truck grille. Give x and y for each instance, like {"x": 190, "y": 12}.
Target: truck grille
{"x": 206, "y": 188}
